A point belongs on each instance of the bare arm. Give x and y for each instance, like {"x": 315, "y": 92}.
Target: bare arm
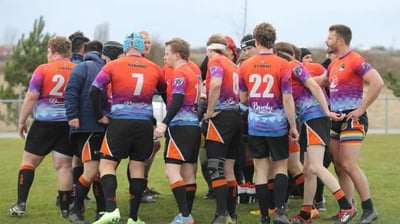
{"x": 288, "y": 106}
{"x": 29, "y": 102}
{"x": 319, "y": 96}
{"x": 213, "y": 96}
{"x": 376, "y": 83}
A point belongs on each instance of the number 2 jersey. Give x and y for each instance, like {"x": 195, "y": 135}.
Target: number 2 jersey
{"x": 265, "y": 77}
{"x": 133, "y": 82}
{"x": 49, "y": 80}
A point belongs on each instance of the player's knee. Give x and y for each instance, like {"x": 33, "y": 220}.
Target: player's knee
{"x": 215, "y": 168}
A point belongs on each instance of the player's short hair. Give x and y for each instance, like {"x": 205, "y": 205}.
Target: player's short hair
{"x": 342, "y": 31}
{"x": 179, "y": 46}
{"x": 284, "y": 50}
{"x": 265, "y": 34}
{"x": 60, "y": 45}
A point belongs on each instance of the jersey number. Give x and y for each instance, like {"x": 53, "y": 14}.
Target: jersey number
{"x": 258, "y": 80}
{"x": 56, "y": 90}
{"x": 139, "y": 83}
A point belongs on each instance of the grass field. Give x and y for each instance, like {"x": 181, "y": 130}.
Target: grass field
{"x": 379, "y": 159}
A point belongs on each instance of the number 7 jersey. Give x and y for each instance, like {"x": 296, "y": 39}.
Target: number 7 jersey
{"x": 49, "y": 80}
{"x": 133, "y": 80}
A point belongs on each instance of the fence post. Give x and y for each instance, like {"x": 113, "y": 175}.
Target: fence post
{"x": 386, "y": 114}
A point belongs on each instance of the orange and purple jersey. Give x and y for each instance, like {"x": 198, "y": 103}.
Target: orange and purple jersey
{"x": 168, "y": 70}
{"x": 133, "y": 82}
{"x": 265, "y": 77}
{"x": 223, "y": 68}
{"x": 346, "y": 81}
{"x": 307, "y": 107}
{"x": 314, "y": 69}
{"x": 186, "y": 82}
{"x": 49, "y": 80}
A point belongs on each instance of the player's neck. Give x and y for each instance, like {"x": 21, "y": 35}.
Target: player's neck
{"x": 343, "y": 51}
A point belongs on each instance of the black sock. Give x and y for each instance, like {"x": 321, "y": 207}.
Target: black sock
{"x": 248, "y": 172}
{"x": 25, "y": 180}
{"x": 270, "y": 202}
{"x": 179, "y": 190}
{"x": 262, "y": 196}
{"x": 190, "y": 195}
{"x": 99, "y": 195}
{"x": 281, "y": 184}
{"x": 82, "y": 188}
{"x": 109, "y": 184}
{"x": 221, "y": 194}
{"x": 232, "y": 197}
{"x": 367, "y": 204}
{"x": 136, "y": 189}
{"x": 319, "y": 193}
{"x": 65, "y": 199}
{"x": 76, "y": 173}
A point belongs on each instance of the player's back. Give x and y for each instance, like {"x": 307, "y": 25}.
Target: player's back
{"x": 49, "y": 80}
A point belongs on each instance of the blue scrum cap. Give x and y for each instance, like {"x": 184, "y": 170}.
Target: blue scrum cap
{"x": 134, "y": 40}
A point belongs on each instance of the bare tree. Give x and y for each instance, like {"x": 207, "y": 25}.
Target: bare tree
{"x": 101, "y": 32}
{"x": 9, "y": 36}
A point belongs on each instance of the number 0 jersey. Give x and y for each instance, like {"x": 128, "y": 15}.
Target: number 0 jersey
{"x": 49, "y": 80}
{"x": 223, "y": 68}
{"x": 265, "y": 77}
{"x": 133, "y": 82}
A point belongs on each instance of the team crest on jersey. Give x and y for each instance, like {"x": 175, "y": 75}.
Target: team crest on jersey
{"x": 297, "y": 71}
{"x": 178, "y": 81}
{"x": 365, "y": 65}
{"x": 341, "y": 68}
{"x": 213, "y": 69}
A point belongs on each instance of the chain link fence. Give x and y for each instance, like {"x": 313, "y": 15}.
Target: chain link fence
{"x": 383, "y": 115}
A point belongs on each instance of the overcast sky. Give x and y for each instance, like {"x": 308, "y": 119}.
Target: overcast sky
{"x": 304, "y": 23}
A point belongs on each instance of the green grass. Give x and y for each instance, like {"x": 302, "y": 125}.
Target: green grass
{"x": 379, "y": 159}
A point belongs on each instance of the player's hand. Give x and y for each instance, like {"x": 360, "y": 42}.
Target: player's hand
{"x": 22, "y": 130}
{"x": 209, "y": 115}
{"x": 293, "y": 135}
{"x": 355, "y": 114}
{"x": 74, "y": 123}
{"x": 160, "y": 130}
{"x": 104, "y": 120}
{"x": 337, "y": 116}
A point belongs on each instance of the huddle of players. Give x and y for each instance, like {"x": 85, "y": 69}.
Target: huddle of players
{"x": 276, "y": 89}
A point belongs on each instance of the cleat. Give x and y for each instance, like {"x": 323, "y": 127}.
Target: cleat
{"x": 265, "y": 220}
{"x": 148, "y": 198}
{"x": 280, "y": 219}
{"x": 109, "y": 217}
{"x": 17, "y": 209}
{"x": 271, "y": 211}
{"x": 320, "y": 206}
{"x": 152, "y": 192}
{"x": 368, "y": 216}
{"x": 345, "y": 215}
{"x": 77, "y": 218}
{"x": 314, "y": 213}
{"x": 64, "y": 214}
{"x": 299, "y": 220}
{"x": 220, "y": 219}
{"x": 179, "y": 219}
{"x": 138, "y": 221}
